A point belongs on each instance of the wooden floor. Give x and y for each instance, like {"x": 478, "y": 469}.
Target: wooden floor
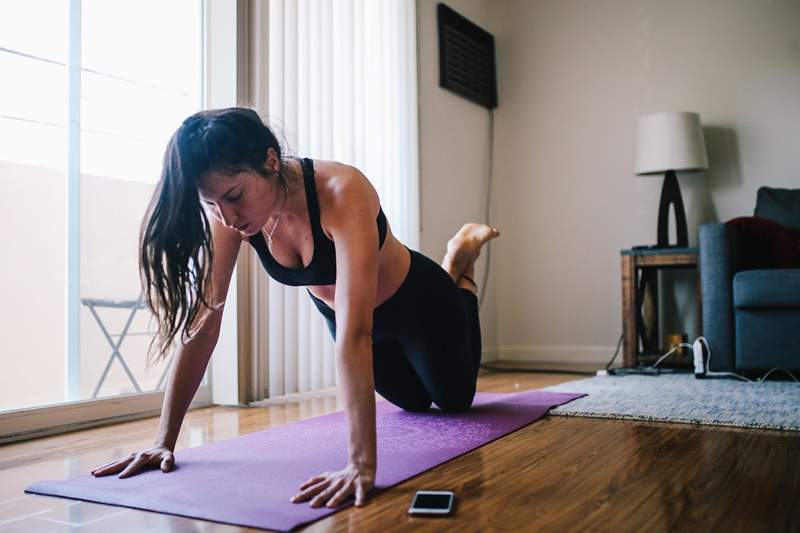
{"x": 558, "y": 474}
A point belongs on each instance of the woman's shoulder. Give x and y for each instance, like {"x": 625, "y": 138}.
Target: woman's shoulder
{"x": 334, "y": 173}
{"x": 340, "y": 184}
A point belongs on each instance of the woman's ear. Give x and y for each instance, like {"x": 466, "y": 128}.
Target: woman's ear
{"x": 273, "y": 161}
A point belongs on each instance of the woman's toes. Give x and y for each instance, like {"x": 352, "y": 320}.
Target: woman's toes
{"x": 465, "y": 246}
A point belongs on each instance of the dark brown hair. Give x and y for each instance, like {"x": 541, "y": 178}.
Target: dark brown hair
{"x": 175, "y": 245}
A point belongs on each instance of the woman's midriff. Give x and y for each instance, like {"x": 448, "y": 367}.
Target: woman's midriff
{"x": 394, "y": 260}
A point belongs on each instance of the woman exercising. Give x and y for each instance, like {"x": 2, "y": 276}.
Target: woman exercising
{"x": 403, "y": 325}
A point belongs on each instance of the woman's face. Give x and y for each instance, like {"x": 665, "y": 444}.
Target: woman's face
{"x": 241, "y": 201}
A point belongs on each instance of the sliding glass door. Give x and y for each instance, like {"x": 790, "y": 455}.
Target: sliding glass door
{"x": 91, "y": 91}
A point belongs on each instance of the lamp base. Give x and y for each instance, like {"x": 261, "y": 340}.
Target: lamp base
{"x": 671, "y": 194}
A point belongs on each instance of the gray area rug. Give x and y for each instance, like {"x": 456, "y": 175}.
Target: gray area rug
{"x": 684, "y": 398}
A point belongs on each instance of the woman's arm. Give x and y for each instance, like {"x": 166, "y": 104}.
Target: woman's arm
{"x": 188, "y": 367}
{"x": 191, "y": 359}
{"x": 356, "y": 238}
{"x": 355, "y": 233}
{"x": 186, "y": 373}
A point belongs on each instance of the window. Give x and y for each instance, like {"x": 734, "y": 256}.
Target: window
{"x": 140, "y": 73}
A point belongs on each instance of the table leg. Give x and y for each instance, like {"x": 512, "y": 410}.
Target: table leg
{"x": 647, "y": 314}
{"x": 629, "y": 311}
{"x": 699, "y": 304}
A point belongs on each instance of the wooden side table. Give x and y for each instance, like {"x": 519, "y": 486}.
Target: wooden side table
{"x": 639, "y": 269}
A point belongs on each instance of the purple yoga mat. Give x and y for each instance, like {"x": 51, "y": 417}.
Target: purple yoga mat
{"x": 248, "y": 480}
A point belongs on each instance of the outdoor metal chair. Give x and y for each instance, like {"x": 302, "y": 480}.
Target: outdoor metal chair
{"x": 133, "y": 305}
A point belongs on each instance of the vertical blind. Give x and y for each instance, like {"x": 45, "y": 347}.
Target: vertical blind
{"x": 342, "y": 86}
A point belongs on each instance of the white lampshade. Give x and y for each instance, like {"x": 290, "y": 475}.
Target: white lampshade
{"x": 670, "y": 141}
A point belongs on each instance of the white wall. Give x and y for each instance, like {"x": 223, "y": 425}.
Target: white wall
{"x": 574, "y": 76}
{"x": 454, "y": 156}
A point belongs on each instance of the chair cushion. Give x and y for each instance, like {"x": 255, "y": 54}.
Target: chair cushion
{"x": 780, "y": 205}
{"x": 765, "y": 243}
{"x": 778, "y": 288}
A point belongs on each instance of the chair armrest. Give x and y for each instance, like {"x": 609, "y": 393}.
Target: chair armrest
{"x": 720, "y": 258}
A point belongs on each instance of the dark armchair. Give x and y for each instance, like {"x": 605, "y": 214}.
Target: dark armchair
{"x": 750, "y": 278}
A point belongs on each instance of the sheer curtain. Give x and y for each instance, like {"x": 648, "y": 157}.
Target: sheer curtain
{"x": 342, "y": 86}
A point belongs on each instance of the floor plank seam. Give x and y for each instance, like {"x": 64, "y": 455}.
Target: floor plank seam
{"x": 23, "y": 517}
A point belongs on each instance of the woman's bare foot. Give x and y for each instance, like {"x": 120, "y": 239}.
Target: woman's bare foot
{"x": 465, "y": 247}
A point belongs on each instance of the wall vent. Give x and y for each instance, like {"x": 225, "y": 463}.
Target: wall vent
{"x": 466, "y": 58}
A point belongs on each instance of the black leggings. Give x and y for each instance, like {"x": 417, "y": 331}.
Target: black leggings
{"x": 426, "y": 340}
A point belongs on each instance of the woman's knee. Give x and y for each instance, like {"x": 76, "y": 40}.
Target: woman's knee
{"x": 412, "y": 404}
{"x": 456, "y": 403}
{"x": 415, "y": 401}
{"x": 416, "y": 406}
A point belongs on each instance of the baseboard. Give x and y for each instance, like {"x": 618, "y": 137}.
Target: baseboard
{"x": 550, "y": 353}
{"x": 296, "y": 397}
{"x": 490, "y": 354}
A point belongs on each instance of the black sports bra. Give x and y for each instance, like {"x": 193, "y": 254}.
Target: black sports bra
{"x": 322, "y": 269}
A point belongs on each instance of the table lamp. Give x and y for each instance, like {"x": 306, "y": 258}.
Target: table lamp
{"x": 667, "y": 142}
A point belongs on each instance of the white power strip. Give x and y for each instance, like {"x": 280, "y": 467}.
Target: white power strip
{"x": 699, "y": 358}
{"x": 702, "y": 363}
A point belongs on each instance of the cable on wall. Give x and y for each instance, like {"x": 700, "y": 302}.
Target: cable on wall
{"x": 488, "y": 208}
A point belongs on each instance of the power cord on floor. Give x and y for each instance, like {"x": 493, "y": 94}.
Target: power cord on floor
{"x": 624, "y": 371}
{"x": 614, "y": 357}
{"x": 762, "y": 378}
{"x": 674, "y": 349}
{"x": 654, "y": 370}
{"x": 706, "y": 365}
{"x": 641, "y": 370}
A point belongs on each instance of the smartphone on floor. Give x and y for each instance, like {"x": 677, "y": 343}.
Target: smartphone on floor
{"x": 432, "y": 502}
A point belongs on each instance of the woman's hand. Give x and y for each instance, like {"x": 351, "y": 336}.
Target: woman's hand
{"x": 157, "y": 455}
{"x": 335, "y": 487}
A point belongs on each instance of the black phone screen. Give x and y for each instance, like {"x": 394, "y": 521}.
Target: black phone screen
{"x": 432, "y": 501}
